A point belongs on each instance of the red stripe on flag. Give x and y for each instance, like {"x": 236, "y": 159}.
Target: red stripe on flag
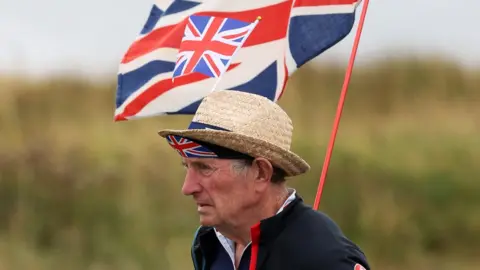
{"x": 212, "y": 64}
{"x": 273, "y": 26}
{"x": 167, "y": 37}
{"x": 234, "y": 36}
{"x": 313, "y": 3}
{"x": 193, "y": 29}
{"x": 158, "y": 89}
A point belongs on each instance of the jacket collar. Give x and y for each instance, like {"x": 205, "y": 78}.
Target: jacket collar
{"x": 271, "y": 228}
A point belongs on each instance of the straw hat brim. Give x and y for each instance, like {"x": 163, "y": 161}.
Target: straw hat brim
{"x": 290, "y": 162}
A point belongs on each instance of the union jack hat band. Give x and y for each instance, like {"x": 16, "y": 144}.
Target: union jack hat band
{"x": 187, "y": 147}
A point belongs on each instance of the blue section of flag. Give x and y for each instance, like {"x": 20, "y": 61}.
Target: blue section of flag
{"x": 178, "y": 70}
{"x": 155, "y": 15}
{"x": 203, "y": 68}
{"x": 200, "y": 22}
{"x": 264, "y": 84}
{"x": 138, "y": 77}
{"x": 312, "y": 35}
{"x": 180, "y": 5}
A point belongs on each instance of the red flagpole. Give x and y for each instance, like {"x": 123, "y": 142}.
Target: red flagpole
{"x": 340, "y": 106}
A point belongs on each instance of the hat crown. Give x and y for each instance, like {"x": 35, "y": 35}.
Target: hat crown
{"x": 247, "y": 114}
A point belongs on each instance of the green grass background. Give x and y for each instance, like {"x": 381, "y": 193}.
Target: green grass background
{"x": 78, "y": 191}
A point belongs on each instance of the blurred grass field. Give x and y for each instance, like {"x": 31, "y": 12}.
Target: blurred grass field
{"x": 79, "y": 191}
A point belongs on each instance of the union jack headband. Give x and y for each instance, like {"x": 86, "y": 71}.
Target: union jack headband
{"x": 187, "y": 147}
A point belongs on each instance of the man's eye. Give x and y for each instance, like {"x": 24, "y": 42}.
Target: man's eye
{"x": 204, "y": 167}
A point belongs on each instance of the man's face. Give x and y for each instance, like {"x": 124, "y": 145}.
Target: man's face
{"x": 222, "y": 192}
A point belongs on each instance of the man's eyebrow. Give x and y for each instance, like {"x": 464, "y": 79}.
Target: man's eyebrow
{"x": 197, "y": 163}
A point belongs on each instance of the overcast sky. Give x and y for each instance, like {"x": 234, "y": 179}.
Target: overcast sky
{"x": 92, "y": 35}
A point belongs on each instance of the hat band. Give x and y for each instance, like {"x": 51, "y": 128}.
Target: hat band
{"x": 188, "y": 148}
{"x": 192, "y": 148}
{"x": 198, "y": 125}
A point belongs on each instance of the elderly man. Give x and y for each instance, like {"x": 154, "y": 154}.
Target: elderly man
{"x": 237, "y": 156}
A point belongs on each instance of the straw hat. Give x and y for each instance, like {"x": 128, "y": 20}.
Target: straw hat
{"x": 247, "y": 123}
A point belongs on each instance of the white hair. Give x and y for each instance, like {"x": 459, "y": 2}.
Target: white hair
{"x": 239, "y": 165}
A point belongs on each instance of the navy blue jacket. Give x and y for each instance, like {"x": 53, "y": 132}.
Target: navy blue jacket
{"x": 298, "y": 238}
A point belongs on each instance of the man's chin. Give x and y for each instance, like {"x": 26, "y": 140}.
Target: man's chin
{"x": 207, "y": 220}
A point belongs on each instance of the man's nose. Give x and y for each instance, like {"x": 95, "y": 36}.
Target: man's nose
{"x": 191, "y": 184}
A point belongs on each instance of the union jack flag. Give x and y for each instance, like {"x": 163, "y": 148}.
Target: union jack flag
{"x": 290, "y": 34}
{"x": 209, "y": 44}
{"x": 188, "y": 148}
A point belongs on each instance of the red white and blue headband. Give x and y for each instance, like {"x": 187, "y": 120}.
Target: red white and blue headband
{"x": 190, "y": 148}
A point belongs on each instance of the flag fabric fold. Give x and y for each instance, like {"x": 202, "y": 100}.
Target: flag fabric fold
{"x": 186, "y": 49}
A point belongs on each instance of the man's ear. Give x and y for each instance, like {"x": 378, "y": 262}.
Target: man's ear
{"x": 264, "y": 169}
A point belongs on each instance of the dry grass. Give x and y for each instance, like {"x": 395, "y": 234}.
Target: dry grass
{"x": 80, "y": 190}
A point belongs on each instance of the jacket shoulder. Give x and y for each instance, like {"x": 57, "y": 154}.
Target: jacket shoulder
{"x": 317, "y": 240}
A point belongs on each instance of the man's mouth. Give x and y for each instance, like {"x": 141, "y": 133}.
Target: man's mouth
{"x": 202, "y": 204}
